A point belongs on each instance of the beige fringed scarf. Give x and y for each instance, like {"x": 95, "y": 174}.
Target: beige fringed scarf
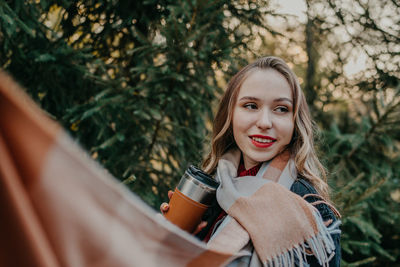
{"x": 281, "y": 225}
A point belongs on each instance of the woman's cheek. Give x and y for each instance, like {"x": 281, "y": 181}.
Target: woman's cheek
{"x": 284, "y": 128}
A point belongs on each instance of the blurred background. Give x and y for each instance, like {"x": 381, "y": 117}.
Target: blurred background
{"x": 136, "y": 83}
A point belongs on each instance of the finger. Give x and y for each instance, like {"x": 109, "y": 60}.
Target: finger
{"x": 328, "y": 222}
{"x": 164, "y": 207}
{"x": 200, "y": 227}
{"x": 170, "y": 193}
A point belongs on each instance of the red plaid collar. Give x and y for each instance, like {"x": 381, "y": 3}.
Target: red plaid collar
{"x": 250, "y": 172}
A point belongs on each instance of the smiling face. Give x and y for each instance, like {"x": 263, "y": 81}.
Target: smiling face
{"x": 262, "y": 119}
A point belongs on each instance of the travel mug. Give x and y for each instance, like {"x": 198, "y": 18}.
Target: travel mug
{"x": 193, "y": 195}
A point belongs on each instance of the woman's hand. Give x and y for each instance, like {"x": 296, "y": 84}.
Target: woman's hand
{"x": 164, "y": 207}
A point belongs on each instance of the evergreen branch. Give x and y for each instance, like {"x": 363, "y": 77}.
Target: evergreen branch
{"x": 162, "y": 112}
{"x": 362, "y": 262}
{"x": 352, "y": 204}
{"x": 17, "y": 19}
{"x": 349, "y": 185}
{"x": 381, "y": 120}
{"x": 155, "y": 134}
{"x": 372, "y": 190}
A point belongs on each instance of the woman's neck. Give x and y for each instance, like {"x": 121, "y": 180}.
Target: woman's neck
{"x": 248, "y": 163}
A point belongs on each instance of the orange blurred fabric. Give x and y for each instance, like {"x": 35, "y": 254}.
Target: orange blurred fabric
{"x": 60, "y": 208}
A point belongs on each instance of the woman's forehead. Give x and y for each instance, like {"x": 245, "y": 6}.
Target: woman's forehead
{"x": 261, "y": 83}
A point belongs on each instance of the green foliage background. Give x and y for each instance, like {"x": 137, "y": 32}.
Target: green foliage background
{"x": 136, "y": 84}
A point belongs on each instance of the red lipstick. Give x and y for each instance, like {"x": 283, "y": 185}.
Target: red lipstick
{"x": 259, "y": 143}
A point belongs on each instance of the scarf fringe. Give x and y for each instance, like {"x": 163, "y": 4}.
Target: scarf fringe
{"x": 321, "y": 245}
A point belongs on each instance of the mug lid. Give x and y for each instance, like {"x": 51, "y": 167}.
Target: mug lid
{"x": 202, "y": 176}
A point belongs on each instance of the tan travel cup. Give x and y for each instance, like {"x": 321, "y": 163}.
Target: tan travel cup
{"x": 193, "y": 195}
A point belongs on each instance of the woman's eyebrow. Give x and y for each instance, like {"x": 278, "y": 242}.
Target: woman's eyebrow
{"x": 283, "y": 99}
{"x": 280, "y": 99}
{"x": 249, "y": 98}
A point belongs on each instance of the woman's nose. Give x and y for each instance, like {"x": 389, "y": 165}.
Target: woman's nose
{"x": 264, "y": 120}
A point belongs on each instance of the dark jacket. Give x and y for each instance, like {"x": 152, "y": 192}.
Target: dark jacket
{"x": 301, "y": 187}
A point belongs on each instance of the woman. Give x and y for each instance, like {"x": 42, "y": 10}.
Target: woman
{"x": 263, "y": 128}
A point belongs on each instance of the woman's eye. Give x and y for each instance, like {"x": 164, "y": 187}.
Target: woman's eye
{"x": 281, "y": 109}
{"x": 250, "y": 106}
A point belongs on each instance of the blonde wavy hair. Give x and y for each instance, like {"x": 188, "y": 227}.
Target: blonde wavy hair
{"x": 302, "y": 144}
